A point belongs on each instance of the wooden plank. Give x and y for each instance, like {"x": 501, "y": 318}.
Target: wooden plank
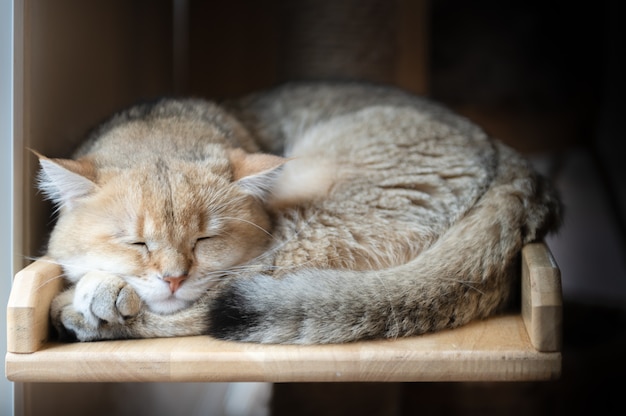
{"x": 502, "y": 348}
{"x": 542, "y": 305}
{"x": 497, "y": 349}
{"x": 33, "y": 289}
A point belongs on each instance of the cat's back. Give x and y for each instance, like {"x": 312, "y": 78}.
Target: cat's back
{"x": 381, "y": 173}
{"x": 281, "y": 114}
{"x": 372, "y": 139}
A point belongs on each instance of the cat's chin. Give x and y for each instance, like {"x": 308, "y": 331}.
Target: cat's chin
{"x": 168, "y": 306}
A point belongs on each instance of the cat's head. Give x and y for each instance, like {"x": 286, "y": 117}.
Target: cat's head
{"x": 171, "y": 228}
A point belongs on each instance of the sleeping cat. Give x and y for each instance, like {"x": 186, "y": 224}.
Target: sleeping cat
{"x": 310, "y": 213}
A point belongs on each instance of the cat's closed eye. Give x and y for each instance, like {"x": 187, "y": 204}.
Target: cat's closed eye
{"x": 140, "y": 245}
{"x": 201, "y": 239}
{"x": 204, "y": 239}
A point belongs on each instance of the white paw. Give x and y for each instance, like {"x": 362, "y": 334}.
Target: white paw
{"x": 101, "y": 306}
{"x": 105, "y": 297}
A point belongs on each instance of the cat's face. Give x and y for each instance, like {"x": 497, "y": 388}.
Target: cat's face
{"x": 171, "y": 230}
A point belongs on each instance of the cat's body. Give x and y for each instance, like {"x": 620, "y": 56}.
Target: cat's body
{"x": 391, "y": 216}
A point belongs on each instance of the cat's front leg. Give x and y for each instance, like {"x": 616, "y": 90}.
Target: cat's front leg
{"x": 100, "y": 306}
{"x": 105, "y": 297}
{"x": 103, "y": 306}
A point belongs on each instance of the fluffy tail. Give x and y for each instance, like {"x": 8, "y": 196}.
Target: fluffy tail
{"x": 468, "y": 273}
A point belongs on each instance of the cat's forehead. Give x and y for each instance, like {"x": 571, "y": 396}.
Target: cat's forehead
{"x": 180, "y": 183}
{"x": 165, "y": 193}
{"x": 162, "y": 144}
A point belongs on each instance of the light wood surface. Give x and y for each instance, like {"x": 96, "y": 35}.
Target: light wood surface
{"x": 496, "y": 349}
{"x": 542, "y": 305}
{"x": 33, "y": 289}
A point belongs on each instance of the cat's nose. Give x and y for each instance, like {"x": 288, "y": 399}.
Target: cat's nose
{"x": 175, "y": 281}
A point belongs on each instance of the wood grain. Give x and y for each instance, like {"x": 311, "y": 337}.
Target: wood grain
{"x": 542, "y": 305}
{"x": 29, "y": 304}
{"x": 496, "y": 349}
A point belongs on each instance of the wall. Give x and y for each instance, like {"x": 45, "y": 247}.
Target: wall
{"x": 6, "y": 269}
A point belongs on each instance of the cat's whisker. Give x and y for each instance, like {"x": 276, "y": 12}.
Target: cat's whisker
{"x": 283, "y": 242}
{"x": 252, "y": 224}
{"x": 50, "y": 280}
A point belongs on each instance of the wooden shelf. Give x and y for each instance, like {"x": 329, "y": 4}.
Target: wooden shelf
{"x": 514, "y": 347}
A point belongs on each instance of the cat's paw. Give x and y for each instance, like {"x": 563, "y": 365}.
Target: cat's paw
{"x": 100, "y": 306}
{"x": 69, "y": 323}
{"x": 105, "y": 297}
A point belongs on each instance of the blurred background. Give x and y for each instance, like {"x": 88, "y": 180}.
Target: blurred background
{"x": 546, "y": 77}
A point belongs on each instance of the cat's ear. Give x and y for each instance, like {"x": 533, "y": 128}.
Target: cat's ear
{"x": 64, "y": 181}
{"x": 255, "y": 172}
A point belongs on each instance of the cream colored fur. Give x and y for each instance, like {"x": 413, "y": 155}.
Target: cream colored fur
{"x": 312, "y": 213}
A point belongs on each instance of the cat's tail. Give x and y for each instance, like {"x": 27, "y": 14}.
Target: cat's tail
{"x": 468, "y": 273}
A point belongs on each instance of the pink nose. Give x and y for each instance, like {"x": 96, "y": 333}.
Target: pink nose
{"x": 175, "y": 281}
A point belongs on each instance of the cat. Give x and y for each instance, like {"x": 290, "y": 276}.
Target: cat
{"x": 310, "y": 213}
